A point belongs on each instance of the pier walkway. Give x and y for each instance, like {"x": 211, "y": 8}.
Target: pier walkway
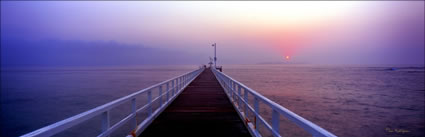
{"x": 202, "y": 109}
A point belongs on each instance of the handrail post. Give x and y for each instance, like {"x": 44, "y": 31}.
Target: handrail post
{"x": 178, "y": 84}
{"x": 133, "y": 110}
{"x": 228, "y": 86}
{"x": 160, "y": 95}
{"x": 231, "y": 89}
{"x": 239, "y": 97}
{"x": 167, "y": 90}
{"x": 105, "y": 121}
{"x": 275, "y": 120}
{"x": 173, "y": 88}
{"x": 149, "y": 102}
{"x": 246, "y": 100}
{"x": 257, "y": 112}
{"x": 183, "y": 81}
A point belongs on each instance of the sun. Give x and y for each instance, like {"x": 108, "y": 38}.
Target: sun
{"x": 287, "y": 57}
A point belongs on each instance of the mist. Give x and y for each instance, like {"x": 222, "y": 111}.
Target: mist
{"x": 16, "y": 53}
{"x": 96, "y": 33}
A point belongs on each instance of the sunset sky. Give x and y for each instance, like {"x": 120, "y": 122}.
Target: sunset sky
{"x": 246, "y": 32}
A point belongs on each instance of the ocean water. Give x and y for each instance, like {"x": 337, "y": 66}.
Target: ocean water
{"x": 345, "y": 100}
{"x": 32, "y": 98}
{"x": 362, "y": 101}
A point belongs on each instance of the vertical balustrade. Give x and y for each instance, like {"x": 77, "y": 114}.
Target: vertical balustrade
{"x": 168, "y": 91}
{"x": 105, "y": 121}
{"x": 160, "y": 95}
{"x": 245, "y": 98}
{"x": 223, "y": 82}
{"x": 257, "y": 113}
{"x": 133, "y": 111}
{"x": 231, "y": 89}
{"x": 149, "y": 102}
{"x": 239, "y": 98}
{"x": 178, "y": 85}
{"x": 226, "y": 83}
{"x": 173, "y": 88}
{"x": 234, "y": 90}
{"x": 275, "y": 121}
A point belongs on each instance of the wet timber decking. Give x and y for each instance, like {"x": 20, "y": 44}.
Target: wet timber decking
{"x": 201, "y": 110}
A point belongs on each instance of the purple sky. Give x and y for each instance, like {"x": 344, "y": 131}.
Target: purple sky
{"x": 322, "y": 32}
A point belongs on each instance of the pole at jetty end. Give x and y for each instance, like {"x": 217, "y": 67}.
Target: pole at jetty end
{"x": 215, "y": 55}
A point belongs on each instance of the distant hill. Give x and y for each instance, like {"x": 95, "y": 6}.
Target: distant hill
{"x": 88, "y": 53}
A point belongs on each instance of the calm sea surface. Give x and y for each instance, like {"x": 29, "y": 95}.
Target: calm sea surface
{"x": 346, "y": 100}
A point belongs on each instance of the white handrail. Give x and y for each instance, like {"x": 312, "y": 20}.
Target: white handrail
{"x": 233, "y": 90}
{"x": 174, "y": 85}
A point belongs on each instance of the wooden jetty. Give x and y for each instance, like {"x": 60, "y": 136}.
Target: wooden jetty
{"x": 203, "y": 103}
{"x": 202, "y": 109}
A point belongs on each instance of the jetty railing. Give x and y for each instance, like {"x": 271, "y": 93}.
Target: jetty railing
{"x": 168, "y": 91}
{"x": 240, "y": 101}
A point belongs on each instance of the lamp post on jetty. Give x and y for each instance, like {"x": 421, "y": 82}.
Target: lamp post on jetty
{"x": 215, "y": 57}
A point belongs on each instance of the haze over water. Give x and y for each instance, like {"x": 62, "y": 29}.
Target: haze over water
{"x": 105, "y": 33}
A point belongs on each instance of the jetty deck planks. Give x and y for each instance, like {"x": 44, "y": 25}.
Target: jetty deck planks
{"x": 201, "y": 110}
